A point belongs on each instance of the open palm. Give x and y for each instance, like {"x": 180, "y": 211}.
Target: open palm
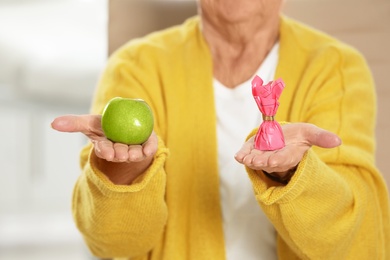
{"x": 299, "y": 137}
{"x": 90, "y": 126}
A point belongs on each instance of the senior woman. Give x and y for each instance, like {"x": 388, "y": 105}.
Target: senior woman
{"x": 196, "y": 189}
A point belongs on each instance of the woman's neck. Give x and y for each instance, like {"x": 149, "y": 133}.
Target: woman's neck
{"x": 238, "y": 48}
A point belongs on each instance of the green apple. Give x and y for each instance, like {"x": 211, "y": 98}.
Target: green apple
{"x": 128, "y": 121}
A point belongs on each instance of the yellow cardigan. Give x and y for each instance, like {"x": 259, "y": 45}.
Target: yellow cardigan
{"x": 335, "y": 207}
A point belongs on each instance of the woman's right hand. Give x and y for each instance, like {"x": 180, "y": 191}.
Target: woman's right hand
{"x": 120, "y": 162}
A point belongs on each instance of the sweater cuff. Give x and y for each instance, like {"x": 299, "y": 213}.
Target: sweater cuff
{"x": 109, "y": 189}
{"x": 304, "y": 174}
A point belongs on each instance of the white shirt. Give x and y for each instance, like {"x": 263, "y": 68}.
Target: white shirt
{"x": 248, "y": 233}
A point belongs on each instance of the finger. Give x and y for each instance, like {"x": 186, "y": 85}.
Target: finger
{"x": 150, "y": 146}
{"x": 121, "y": 152}
{"x": 135, "y": 153}
{"x": 104, "y": 150}
{"x": 260, "y": 159}
{"x": 244, "y": 151}
{"x": 320, "y": 137}
{"x": 77, "y": 123}
{"x": 256, "y": 159}
{"x": 283, "y": 160}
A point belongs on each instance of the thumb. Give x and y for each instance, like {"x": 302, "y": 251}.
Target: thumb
{"x": 321, "y": 137}
{"x": 77, "y": 123}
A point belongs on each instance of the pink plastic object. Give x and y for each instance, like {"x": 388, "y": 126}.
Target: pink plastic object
{"x": 269, "y": 137}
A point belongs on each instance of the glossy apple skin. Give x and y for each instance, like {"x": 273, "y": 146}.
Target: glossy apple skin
{"x": 128, "y": 121}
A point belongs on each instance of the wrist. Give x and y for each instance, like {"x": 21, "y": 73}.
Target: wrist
{"x": 281, "y": 177}
{"x": 121, "y": 173}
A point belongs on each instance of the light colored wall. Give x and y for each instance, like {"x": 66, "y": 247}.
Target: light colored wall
{"x": 51, "y": 54}
{"x": 129, "y": 19}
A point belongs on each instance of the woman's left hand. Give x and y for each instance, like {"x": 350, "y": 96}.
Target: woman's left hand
{"x": 299, "y": 137}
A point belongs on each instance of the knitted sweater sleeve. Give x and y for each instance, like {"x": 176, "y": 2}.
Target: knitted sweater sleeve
{"x": 336, "y": 205}
{"x": 123, "y": 220}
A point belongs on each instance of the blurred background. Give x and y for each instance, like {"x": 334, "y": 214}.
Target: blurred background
{"x": 51, "y": 55}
